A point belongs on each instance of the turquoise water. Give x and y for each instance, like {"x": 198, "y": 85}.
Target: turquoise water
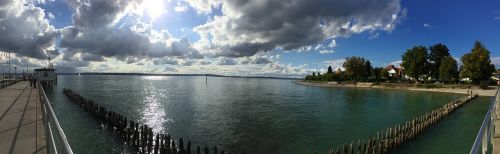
{"x": 258, "y": 115}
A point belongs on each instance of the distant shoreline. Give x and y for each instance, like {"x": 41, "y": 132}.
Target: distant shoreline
{"x": 480, "y": 92}
{"x": 150, "y": 74}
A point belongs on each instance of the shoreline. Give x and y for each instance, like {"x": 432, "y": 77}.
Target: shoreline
{"x": 489, "y": 92}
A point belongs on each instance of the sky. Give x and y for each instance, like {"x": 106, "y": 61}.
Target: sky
{"x": 235, "y": 37}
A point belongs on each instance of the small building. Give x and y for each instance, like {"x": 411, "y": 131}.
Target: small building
{"x": 395, "y": 72}
{"x": 46, "y": 75}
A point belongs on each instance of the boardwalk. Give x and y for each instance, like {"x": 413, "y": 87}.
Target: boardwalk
{"x": 21, "y": 129}
{"x": 496, "y": 137}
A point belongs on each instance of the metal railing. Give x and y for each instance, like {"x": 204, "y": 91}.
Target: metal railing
{"x": 56, "y": 139}
{"x": 7, "y": 82}
{"x": 484, "y": 138}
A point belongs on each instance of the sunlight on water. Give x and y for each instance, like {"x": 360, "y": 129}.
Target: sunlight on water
{"x": 154, "y": 115}
{"x": 258, "y": 115}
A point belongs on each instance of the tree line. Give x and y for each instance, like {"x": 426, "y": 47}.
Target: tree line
{"x": 420, "y": 64}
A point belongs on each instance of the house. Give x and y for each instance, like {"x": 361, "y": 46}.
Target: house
{"x": 395, "y": 72}
{"x": 496, "y": 77}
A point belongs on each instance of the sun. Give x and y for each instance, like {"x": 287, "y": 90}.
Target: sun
{"x": 154, "y": 8}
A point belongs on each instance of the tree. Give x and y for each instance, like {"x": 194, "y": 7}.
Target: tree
{"x": 383, "y": 73}
{"x": 438, "y": 52}
{"x": 368, "y": 69}
{"x": 477, "y": 64}
{"x": 330, "y": 70}
{"x": 355, "y": 67}
{"x": 415, "y": 61}
{"x": 448, "y": 71}
{"x": 377, "y": 72}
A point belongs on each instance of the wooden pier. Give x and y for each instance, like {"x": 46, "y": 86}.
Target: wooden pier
{"x": 21, "y": 125}
{"x": 496, "y": 137}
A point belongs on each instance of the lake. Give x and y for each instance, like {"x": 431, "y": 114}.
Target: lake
{"x": 258, "y": 115}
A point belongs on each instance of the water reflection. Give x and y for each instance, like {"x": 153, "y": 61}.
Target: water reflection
{"x": 251, "y": 115}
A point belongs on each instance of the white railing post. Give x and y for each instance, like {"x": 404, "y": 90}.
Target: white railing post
{"x": 50, "y": 120}
{"x": 486, "y": 133}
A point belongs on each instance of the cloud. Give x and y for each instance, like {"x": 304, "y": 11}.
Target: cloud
{"x": 336, "y": 64}
{"x": 180, "y": 8}
{"x": 496, "y": 15}
{"x": 204, "y": 6}
{"x": 249, "y": 27}
{"x": 326, "y": 51}
{"x": 496, "y": 61}
{"x": 25, "y": 30}
{"x": 113, "y": 28}
{"x": 396, "y": 63}
{"x": 332, "y": 44}
{"x": 426, "y": 25}
{"x": 259, "y": 58}
{"x": 374, "y": 36}
{"x": 225, "y": 61}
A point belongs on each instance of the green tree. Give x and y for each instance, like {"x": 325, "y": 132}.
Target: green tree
{"x": 383, "y": 73}
{"x": 355, "y": 67}
{"x": 330, "y": 70}
{"x": 314, "y": 74}
{"x": 477, "y": 64}
{"x": 377, "y": 72}
{"x": 437, "y": 53}
{"x": 368, "y": 69}
{"x": 415, "y": 61}
{"x": 448, "y": 71}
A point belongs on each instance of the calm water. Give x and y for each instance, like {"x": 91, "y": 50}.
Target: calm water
{"x": 258, "y": 115}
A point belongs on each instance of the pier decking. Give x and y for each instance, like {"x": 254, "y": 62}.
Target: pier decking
{"x": 21, "y": 125}
{"x": 496, "y": 137}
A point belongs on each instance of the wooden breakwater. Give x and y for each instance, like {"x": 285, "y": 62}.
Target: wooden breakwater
{"x": 395, "y": 136}
{"x": 139, "y": 136}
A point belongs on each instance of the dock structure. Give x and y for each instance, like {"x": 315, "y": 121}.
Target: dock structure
{"x": 496, "y": 137}
{"x": 21, "y": 124}
{"x": 489, "y": 133}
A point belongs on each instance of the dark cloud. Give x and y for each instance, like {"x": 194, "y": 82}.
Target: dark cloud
{"x": 248, "y": 27}
{"x": 94, "y": 14}
{"x": 92, "y": 57}
{"x": 169, "y": 61}
{"x": 24, "y": 30}
{"x": 225, "y": 61}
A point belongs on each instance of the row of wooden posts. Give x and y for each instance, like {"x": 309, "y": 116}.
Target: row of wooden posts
{"x": 139, "y": 136}
{"x": 392, "y": 137}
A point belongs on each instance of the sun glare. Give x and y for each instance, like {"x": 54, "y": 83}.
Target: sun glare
{"x": 154, "y": 8}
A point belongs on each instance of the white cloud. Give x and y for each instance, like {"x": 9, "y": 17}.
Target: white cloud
{"x": 332, "y": 44}
{"x": 335, "y": 64}
{"x": 497, "y": 15}
{"x": 396, "y": 63}
{"x": 51, "y": 16}
{"x": 99, "y": 34}
{"x": 249, "y": 27}
{"x": 180, "y": 8}
{"x": 204, "y": 6}
{"x": 427, "y": 25}
{"x": 496, "y": 61}
{"x": 374, "y": 36}
{"x": 25, "y": 30}
{"x": 326, "y": 51}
